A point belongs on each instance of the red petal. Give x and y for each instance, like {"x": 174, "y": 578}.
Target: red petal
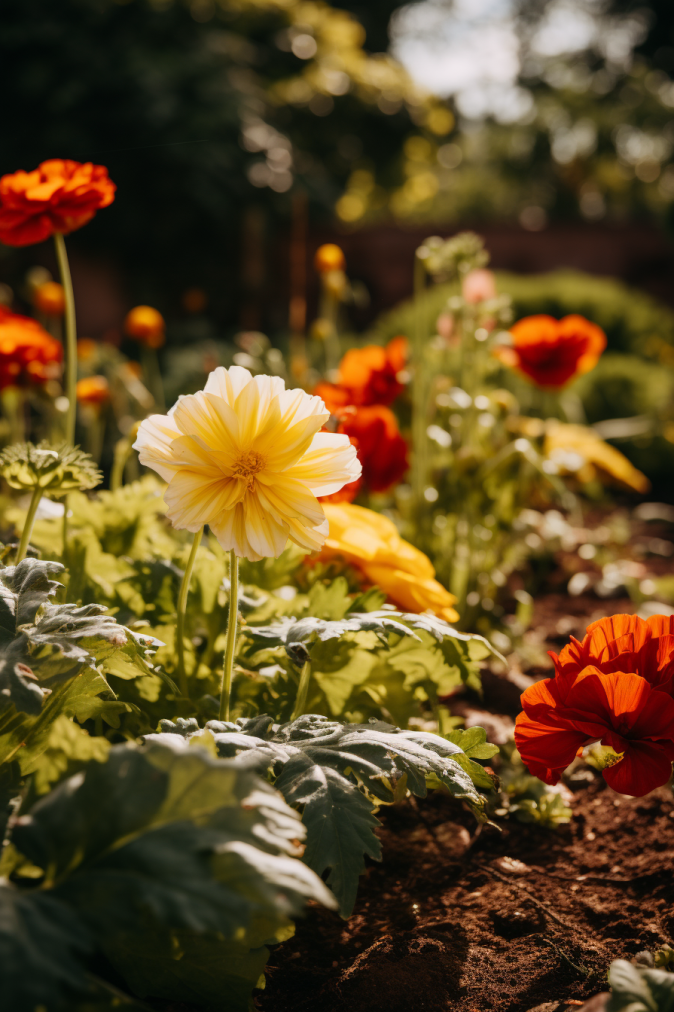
{"x": 545, "y": 743}
{"x": 645, "y": 766}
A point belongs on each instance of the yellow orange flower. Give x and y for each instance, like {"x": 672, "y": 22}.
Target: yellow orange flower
{"x": 247, "y": 457}
{"x": 146, "y": 325}
{"x": 93, "y": 390}
{"x": 329, "y": 257}
{"x": 50, "y": 298}
{"x": 371, "y": 543}
{"x": 578, "y": 449}
{"x": 27, "y": 352}
{"x": 59, "y": 196}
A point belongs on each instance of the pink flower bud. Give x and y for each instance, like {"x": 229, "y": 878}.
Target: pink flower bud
{"x": 479, "y": 285}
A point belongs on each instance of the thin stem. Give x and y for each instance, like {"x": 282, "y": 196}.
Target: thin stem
{"x": 419, "y": 407}
{"x": 123, "y": 448}
{"x": 153, "y": 376}
{"x": 28, "y": 526}
{"x": 71, "y": 336}
{"x": 302, "y": 690}
{"x": 182, "y": 607}
{"x": 64, "y": 530}
{"x": 232, "y": 622}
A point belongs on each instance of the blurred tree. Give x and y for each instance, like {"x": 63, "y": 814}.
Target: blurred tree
{"x": 206, "y": 113}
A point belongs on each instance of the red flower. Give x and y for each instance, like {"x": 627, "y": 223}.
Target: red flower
{"x": 381, "y": 449}
{"x": 551, "y": 352}
{"x": 367, "y": 376}
{"x": 619, "y": 709}
{"x": 623, "y": 643}
{"x": 59, "y": 196}
{"x": 27, "y": 352}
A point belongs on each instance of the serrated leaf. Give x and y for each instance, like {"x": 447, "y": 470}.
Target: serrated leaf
{"x": 338, "y": 774}
{"x": 67, "y": 744}
{"x": 173, "y": 840}
{"x": 340, "y": 824}
{"x": 23, "y": 591}
{"x": 630, "y": 989}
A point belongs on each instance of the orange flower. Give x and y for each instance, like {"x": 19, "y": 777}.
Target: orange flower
{"x": 146, "y": 325}
{"x": 86, "y": 348}
{"x": 59, "y": 196}
{"x": 620, "y": 709}
{"x": 371, "y": 543}
{"x": 551, "y": 352}
{"x": 93, "y": 390}
{"x": 27, "y": 352}
{"x": 49, "y": 298}
{"x": 381, "y": 449}
{"x": 329, "y": 257}
{"x": 367, "y": 376}
{"x": 623, "y": 643}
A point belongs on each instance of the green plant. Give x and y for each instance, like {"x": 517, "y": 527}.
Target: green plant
{"x": 638, "y": 989}
{"x": 339, "y": 774}
{"x": 176, "y": 866}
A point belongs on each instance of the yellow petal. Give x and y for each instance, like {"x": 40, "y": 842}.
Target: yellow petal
{"x": 329, "y": 463}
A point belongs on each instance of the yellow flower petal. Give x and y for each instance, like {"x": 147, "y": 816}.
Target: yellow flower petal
{"x": 230, "y": 454}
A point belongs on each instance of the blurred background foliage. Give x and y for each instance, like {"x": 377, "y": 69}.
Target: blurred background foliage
{"x": 225, "y": 122}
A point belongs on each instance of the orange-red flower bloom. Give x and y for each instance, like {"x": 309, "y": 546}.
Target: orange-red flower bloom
{"x": 551, "y": 352}
{"x": 27, "y": 352}
{"x": 367, "y": 376}
{"x": 59, "y": 196}
{"x": 381, "y": 449}
{"x": 623, "y": 643}
{"x": 620, "y": 709}
{"x": 50, "y": 298}
{"x": 93, "y": 390}
{"x": 146, "y": 325}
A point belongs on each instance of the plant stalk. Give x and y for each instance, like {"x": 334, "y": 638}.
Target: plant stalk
{"x": 150, "y": 361}
{"x": 71, "y": 336}
{"x": 182, "y": 607}
{"x": 232, "y": 622}
{"x": 302, "y": 690}
{"x": 419, "y": 407}
{"x": 28, "y": 526}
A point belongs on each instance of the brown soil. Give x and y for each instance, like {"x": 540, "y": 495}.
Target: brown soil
{"x": 437, "y": 931}
{"x": 434, "y": 933}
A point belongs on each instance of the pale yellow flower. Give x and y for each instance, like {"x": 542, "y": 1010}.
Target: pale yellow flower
{"x": 247, "y": 457}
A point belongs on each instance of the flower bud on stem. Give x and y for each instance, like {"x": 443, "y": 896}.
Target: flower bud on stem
{"x": 182, "y": 606}
{"x": 232, "y": 621}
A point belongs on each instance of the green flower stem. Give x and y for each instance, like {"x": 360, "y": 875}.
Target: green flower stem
{"x": 71, "y": 336}
{"x": 419, "y": 407}
{"x": 302, "y": 690}
{"x": 152, "y": 372}
{"x": 232, "y": 622}
{"x": 121, "y": 455}
{"x": 64, "y": 531}
{"x": 28, "y": 526}
{"x": 182, "y": 607}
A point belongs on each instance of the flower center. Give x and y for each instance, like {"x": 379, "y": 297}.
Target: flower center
{"x": 247, "y": 466}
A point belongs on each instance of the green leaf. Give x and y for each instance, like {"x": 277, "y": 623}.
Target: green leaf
{"x": 340, "y": 824}
{"x": 41, "y": 945}
{"x": 473, "y": 741}
{"x": 183, "y": 966}
{"x": 23, "y": 591}
{"x": 338, "y": 774}
{"x": 166, "y": 845}
{"x": 639, "y": 990}
{"x": 67, "y": 745}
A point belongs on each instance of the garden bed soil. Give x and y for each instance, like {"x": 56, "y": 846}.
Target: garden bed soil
{"x": 461, "y": 920}
{"x": 525, "y": 916}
